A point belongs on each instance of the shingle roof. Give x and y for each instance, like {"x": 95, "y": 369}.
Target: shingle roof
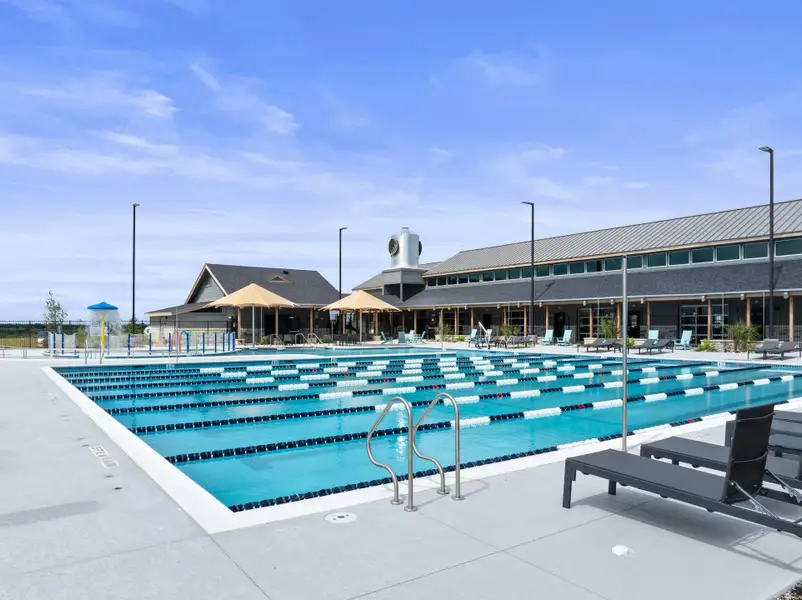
{"x": 715, "y": 227}
{"x": 716, "y": 279}
{"x": 300, "y": 286}
{"x": 377, "y": 281}
{"x": 179, "y": 309}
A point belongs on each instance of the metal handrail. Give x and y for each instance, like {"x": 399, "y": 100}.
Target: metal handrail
{"x": 303, "y": 338}
{"x": 443, "y": 489}
{"x": 278, "y": 341}
{"x": 313, "y": 337}
{"x": 410, "y": 507}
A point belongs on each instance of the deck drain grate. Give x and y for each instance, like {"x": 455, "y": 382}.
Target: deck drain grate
{"x": 103, "y": 456}
{"x": 340, "y": 518}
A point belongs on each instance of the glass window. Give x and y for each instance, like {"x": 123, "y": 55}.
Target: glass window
{"x": 475, "y": 277}
{"x": 576, "y": 268}
{"x": 728, "y": 253}
{"x": 656, "y": 260}
{"x": 614, "y": 264}
{"x": 431, "y": 282}
{"x": 501, "y": 275}
{"x": 702, "y": 255}
{"x": 442, "y": 280}
{"x": 593, "y": 266}
{"x": 756, "y": 250}
{"x": 514, "y": 274}
{"x": 561, "y": 269}
{"x": 526, "y": 272}
{"x": 452, "y": 280}
{"x": 634, "y": 262}
{"x": 788, "y": 247}
{"x": 542, "y": 271}
{"x": 487, "y": 276}
{"x": 462, "y": 279}
{"x": 679, "y": 258}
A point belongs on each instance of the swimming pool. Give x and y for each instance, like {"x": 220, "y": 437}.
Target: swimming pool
{"x": 332, "y": 351}
{"x": 262, "y": 432}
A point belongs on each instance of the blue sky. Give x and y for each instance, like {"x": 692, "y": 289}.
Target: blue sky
{"x": 250, "y": 130}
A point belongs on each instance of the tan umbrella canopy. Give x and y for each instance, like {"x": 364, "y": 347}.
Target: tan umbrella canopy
{"x": 253, "y": 295}
{"x": 360, "y": 301}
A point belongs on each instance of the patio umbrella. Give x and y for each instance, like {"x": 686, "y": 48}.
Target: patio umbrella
{"x": 253, "y": 295}
{"x": 360, "y": 301}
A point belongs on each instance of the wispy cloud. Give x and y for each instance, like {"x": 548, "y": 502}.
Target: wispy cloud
{"x": 239, "y": 97}
{"x": 506, "y": 69}
{"x": 191, "y": 6}
{"x": 66, "y": 14}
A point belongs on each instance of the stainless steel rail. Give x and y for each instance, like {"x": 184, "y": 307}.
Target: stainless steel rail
{"x": 303, "y": 338}
{"x": 443, "y": 489}
{"x": 313, "y": 338}
{"x": 410, "y": 507}
{"x": 275, "y": 340}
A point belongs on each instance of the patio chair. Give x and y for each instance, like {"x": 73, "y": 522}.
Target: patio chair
{"x": 654, "y": 334}
{"x": 385, "y": 339}
{"x": 782, "y": 348}
{"x": 412, "y": 337}
{"x": 786, "y": 436}
{"x": 565, "y": 340}
{"x": 422, "y": 337}
{"x": 783, "y": 471}
{"x": 473, "y": 337}
{"x": 600, "y": 344}
{"x": 530, "y": 339}
{"x": 548, "y": 338}
{"x": 684, "y": 343}
{"x": 763, "y": 348}
{"x": 742, "y": 480}
{"x": 402, "y": 337}
{"x": 652, "y": 345}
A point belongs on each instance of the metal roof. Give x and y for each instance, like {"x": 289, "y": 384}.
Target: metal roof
{"x": 717, "y": 227}
{"x": 377, "y": 281}
{"x": 647, "y": 283}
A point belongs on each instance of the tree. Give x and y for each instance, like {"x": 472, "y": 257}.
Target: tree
{"x": 54, "y": 315}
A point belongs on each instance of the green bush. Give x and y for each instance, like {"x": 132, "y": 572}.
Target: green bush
{"x": 459, "y": 338}
{"x": 444, "y": 330}
{"x": 508, "y": 330}
{"x": 743, "y": 337}
{"x": 608, "y": 328}
{"x": 706, "y": 345}
{"x": 326, "y": 339}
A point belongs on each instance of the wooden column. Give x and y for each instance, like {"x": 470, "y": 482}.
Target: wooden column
{"x": 311, "y": 320}
{"x": 375, "y": 323}
{"x": 456, "y": 321}
{"x": 526, "y": 329}
{"x": 472, "y": 319}
{"x": 239, "y": 323}
{"x": 275, "y": 319}
{"x": 415, "y": 320}
{"x": 547, "y": 316}
{"x": 790, "y": 318}
{"x": 503, "y": 315}
{"x": 648, "y": 315}
{"x": 591, "y": 334}
{"x": 748, "y": 312}
{"x": 709, "y": 318}
{"x": 618, "y": 316}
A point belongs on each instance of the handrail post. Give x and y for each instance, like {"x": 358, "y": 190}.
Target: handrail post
{"x": 410, "y": 507}
{"x": 457, "y": 483}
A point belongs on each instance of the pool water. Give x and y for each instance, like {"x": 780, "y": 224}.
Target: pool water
{"x": 268, "y": 430}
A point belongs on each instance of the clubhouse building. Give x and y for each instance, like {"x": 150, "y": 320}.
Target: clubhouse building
{"x": 700, "y": 273}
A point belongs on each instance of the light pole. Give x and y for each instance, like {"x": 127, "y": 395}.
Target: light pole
{"x": 532, "y": 269}
{"x": 133, "y": 271}
{"x": 340, "y": 280}
{"x": 771, "y": 238}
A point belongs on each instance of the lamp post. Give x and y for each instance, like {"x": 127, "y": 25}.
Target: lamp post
{"x": 771, "y": 239}
{"x": 340, "y": 280}
{"x": 531, "y": 269}
{"x": 133, "y": 271}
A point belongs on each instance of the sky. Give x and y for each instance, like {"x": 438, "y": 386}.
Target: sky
{"x": 251, "y": 130}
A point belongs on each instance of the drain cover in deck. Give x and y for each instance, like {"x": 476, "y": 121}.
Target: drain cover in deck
{"x": 340, "y": 518}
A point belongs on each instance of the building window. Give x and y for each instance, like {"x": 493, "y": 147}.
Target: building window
{"x": 656, "y": 260}
{"x": 462, "y": 279}
{"x": 702, "y": 255}
{"x": 452, "y": 280}
{"x": 431, "y": 282}
{"x": 756, "y": 250}
{"x": 561, "y": 269}
{"x": 728, "y": 253}
{"x": 576, "y": 268}
{"x": 501, "y": 275}
{"x": 593, "y": 266}
{"x": 487, "y": 276}
{"x": 526, "y": 272}
{"x": 613, "y": 264}
{"x": 679, "y": 258}
{"x": 788, "y": 247}
{"x": 542, "y": 271}
{"x": 442, "y": 281}
{"x": 514, "y": 273}
{"x": 475, "y": 277}
{"x": 635, "y": 262}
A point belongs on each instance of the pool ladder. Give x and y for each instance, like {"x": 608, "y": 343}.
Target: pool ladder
{"x": 412, "y": 449}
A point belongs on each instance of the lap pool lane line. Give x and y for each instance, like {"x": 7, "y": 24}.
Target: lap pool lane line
{"x": 385, "y": 391}
{"x": 379, "y": 407}
{"x": 475, "y": 421}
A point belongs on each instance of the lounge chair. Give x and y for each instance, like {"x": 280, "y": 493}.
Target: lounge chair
{"x": 652, "y": 345}
{"x": 422, "y": 337}
{"x": 474, "y": 337}
{"x": 785, "y": 472}
{"x": 412, "y": 337}
{"x": 530, "y": 339}
{"x": 684, "y": 343}
{"x": 402, "y": 337}
{"x": 385, "y": 339}
{"x": 548, "y": 338}
{"x": 775, "y": 347}
{"x": 742, "y": 480}
{"x": 763, "y": 348}
{"x": 654, "y": 334}
{"x": 600, "y": 344}
{"x": 786, "y": 437}
{"x": 565, "y": 340}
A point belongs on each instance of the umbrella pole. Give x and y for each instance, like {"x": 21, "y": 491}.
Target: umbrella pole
{"x": 253, "y": 326}
{"x": 360, "y": 327}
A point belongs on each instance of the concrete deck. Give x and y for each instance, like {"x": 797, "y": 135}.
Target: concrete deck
{"x": 73, "y": 528}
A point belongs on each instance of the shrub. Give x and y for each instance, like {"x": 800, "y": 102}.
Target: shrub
{"x": 608, "y": 328}
{"x": 706, "y": 345}
{"x": 459, "y": 338}
{"x": 742, "y": 336}
{"x": 508, "y": 330}
{"x": 444, "y": 330}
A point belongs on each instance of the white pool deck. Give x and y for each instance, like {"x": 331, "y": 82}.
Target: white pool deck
{"x": 71, "y": 527}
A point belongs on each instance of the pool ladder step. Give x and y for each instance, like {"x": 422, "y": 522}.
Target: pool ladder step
{"x": 412, "y": 450}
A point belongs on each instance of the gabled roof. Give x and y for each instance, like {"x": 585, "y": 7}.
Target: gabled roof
{"x": 300, "y": 286}
{"x": 377, "y": 281}
{"x": 717, "y": 227}
{"x": 173, "y": 310}
{"x": 715, "y": 279}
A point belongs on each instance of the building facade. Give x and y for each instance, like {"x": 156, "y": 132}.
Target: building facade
{"x": 701, "y": 273}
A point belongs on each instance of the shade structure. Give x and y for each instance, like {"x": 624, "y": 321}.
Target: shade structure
{"x": 360, "y": 301}
{"x": 253, "y": 295}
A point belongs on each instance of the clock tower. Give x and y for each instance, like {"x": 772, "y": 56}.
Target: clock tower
{"x": 404, "y": 278}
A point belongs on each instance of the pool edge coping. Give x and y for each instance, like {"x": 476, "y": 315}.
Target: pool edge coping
{"x": 215, "y": 517}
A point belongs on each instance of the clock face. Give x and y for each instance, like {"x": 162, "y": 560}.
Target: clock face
{"x": 420, "y": 248}
{"x": 392, "y": 246}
